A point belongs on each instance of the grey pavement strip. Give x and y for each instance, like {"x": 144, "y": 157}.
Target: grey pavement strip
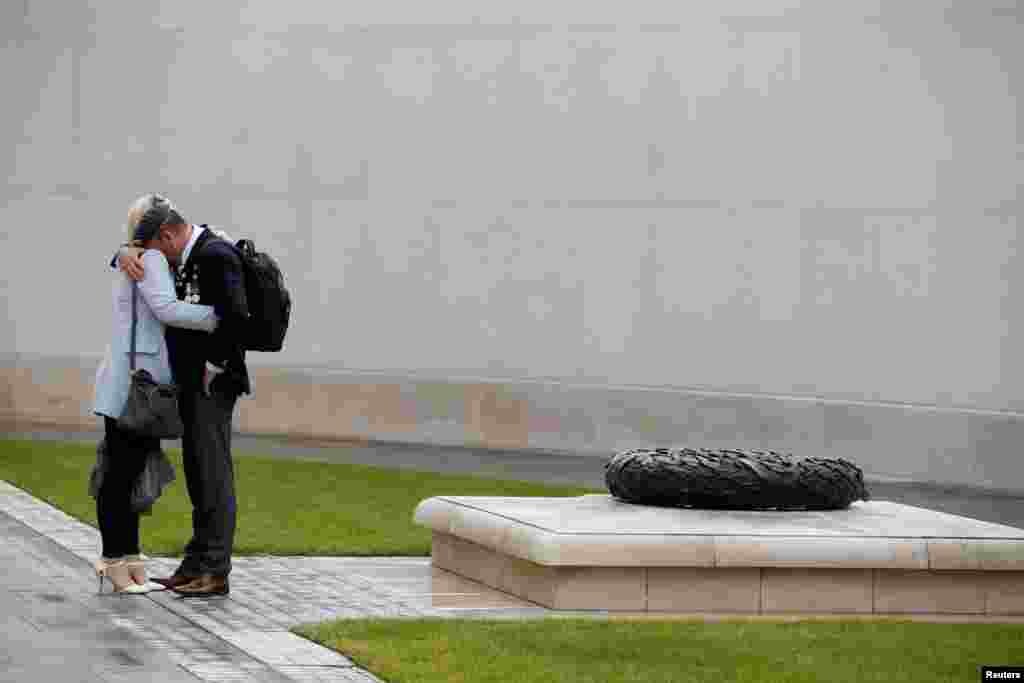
{"x": 251, "y": 625}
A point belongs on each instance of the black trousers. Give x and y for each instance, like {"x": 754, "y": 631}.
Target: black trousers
{"x": 119, "y": 524}
{"x": 210, "y": 480}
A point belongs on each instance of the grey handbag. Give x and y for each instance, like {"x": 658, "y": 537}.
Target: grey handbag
{"x": 152, "y": 408}
{"x": 157, "y": 474}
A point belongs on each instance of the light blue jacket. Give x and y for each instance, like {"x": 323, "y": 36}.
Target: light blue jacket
{"x": 156, "y": 307}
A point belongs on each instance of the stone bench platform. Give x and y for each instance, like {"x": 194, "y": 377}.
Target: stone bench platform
{"x": 597, "y": 553}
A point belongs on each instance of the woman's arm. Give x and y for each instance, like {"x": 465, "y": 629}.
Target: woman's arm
{"x": 157, "y": 288}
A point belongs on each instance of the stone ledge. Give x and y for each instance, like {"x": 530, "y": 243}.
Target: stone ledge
{"x": 598, "y": 530}
{"x": 597, "y": 553}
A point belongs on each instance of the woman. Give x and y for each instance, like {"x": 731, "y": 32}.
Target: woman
{"x": 156, "y": 306}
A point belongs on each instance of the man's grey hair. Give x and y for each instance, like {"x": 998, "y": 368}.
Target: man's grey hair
{"x": 149, "y": 202}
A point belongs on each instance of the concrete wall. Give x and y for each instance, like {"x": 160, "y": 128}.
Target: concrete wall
{"x": 786, "y": 201}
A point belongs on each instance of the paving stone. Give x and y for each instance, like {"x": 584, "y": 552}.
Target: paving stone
{"x": 282, "y": 648}
{"x": 327, "y": 674}
{"x": 215, "y": 672}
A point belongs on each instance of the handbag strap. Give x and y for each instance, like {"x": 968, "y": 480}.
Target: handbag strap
{"x": 135, "y": 321}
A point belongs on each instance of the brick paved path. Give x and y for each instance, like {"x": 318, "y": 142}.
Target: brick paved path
{"x": 57, "y": 628}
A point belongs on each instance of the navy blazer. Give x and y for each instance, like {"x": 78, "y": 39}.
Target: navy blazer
{"x": 216, "y": 266}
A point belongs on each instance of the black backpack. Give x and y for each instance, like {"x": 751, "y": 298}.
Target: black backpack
{"x": 270, "y": 304}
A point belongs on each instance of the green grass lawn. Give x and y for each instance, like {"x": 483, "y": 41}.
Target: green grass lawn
{"x": 285, "y": 507}
{"x": 585, "y": 650}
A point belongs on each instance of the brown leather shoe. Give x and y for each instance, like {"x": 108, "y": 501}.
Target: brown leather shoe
{"x": 174, "y": 580}
{"x": 205, "y": 586}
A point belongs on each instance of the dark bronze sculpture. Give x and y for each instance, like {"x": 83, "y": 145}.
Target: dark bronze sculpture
{"x": 731, "y": 479}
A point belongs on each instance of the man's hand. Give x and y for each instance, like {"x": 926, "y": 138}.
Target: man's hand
{"x": 210, "y": 373}
{"x": 129, "y": 259}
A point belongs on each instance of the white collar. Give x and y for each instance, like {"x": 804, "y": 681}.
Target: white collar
{"x": 196, "y": 232}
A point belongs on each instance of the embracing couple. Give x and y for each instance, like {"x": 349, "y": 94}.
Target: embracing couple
{"x": 190, "y": 310}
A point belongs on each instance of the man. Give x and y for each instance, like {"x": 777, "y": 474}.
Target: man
{"x": 211, "y": 373}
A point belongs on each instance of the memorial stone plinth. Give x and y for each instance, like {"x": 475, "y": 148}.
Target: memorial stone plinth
{"x": 598, "y": 553}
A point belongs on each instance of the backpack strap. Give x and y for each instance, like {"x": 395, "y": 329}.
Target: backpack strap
{"x": 135, "y": 323}
{"x": 247, "y": 247}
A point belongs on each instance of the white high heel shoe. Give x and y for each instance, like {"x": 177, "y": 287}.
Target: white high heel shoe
{"x": 119, "y": 574}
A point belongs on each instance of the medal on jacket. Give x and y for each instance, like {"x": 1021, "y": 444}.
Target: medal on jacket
{"x": 186, "y": 284}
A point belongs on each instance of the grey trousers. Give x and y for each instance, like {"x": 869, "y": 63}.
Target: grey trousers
{"x": 210, "y": 480}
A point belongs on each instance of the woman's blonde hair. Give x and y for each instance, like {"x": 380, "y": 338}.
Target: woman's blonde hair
{"x": 145, "y": 203}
